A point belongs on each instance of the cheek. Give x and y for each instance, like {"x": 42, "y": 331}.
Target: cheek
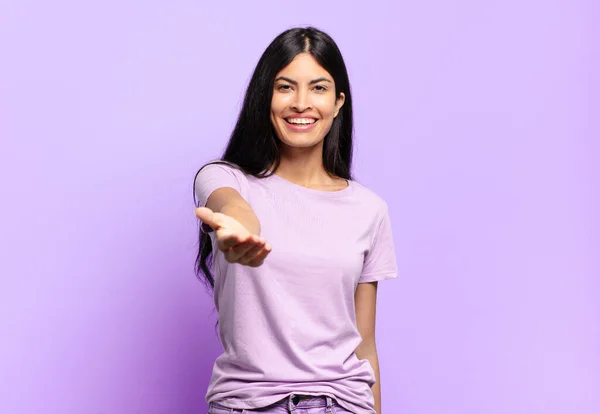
{"x": 274, "y": 107}
{"x": 326, "y": 107}
{"x": 279, "y": 103}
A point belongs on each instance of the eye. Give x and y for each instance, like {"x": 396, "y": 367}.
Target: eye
{"x": 321, "y": 88}
{"x": 284, "y": 87}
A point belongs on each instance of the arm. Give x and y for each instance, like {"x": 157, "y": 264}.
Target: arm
{"x": 236, "y": 225}
{"x": 229, "y": 202}
{"x": 365, "y": 304}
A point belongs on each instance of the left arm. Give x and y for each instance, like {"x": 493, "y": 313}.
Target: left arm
{"x": 365, "y": 299}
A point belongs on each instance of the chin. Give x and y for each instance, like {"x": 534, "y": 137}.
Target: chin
{"x": 300, "y": 143}
{"x": 295, "y": 139}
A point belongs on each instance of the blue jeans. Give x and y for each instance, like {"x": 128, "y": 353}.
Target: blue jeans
{"x": 293, "y": 404}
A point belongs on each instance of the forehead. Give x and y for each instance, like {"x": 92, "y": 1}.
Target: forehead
{"x": 304, "y": 66}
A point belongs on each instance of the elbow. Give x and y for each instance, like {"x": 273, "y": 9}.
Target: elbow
{"x": 366, "y": 348}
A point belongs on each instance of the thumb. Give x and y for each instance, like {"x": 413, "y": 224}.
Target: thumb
{"x": 207, "y": 216}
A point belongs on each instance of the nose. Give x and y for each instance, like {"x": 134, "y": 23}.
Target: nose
{"x": 301, "y": 101}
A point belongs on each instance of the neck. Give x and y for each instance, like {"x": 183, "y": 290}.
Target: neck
{"x": 303, "y": 166}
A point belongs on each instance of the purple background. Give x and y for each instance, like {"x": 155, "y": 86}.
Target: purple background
{"x": 478, "y": 122}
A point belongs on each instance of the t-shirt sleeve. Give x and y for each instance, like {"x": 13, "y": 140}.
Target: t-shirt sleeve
{"x": 380, "y": 260}
{"x": 211, "y": 177}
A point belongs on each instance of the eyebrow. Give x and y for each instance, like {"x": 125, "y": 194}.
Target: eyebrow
{"x": 293, "y": 82}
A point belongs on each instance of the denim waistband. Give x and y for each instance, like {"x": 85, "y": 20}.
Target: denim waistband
{"x": 286, "y": 405}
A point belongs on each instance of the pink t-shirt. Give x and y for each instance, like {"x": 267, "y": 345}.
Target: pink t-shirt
{"x": 289, "y": 326}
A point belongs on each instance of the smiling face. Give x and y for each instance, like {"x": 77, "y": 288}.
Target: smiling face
{"x": 304, "y": 103}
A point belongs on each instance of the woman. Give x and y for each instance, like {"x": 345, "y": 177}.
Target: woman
{"x": 297, "y": 246}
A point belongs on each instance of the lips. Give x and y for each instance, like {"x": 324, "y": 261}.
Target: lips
{"x": 300, "y": 121}
{"x": 300, "y": 124}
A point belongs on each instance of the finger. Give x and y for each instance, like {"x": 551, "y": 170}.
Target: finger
{"x": 252, "y": 253}
{"x": 239, "y": 250}
{"x": 260, "y": 258}
{"x": 207, "y": 216}
{"x": 228, "y": 239}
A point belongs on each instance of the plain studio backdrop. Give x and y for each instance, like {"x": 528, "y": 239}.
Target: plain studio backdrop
{"x": 478, "y": 122}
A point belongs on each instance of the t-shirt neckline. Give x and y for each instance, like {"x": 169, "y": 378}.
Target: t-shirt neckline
{"x": 323, "y": 193}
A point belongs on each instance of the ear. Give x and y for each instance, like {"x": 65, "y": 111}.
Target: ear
{"x": 339, "y": 103}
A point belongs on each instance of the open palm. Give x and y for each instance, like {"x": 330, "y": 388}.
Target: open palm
{"x": 234, "y": 240}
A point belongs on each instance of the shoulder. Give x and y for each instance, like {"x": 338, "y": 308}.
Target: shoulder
{"x": 370, "y": 200}
{"x": 218, "y": 174}
{"x": 219, "y": 169}
{"x": 222, "y": 166}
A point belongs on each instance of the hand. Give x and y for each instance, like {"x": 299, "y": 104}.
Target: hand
{"x": 234, "y": 240}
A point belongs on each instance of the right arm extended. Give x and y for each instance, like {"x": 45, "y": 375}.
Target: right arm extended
{"x": 229, "y": 202}
{"x": 236, "y": 226}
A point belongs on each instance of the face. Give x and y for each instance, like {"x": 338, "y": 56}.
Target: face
{"x": 304, "y": 103}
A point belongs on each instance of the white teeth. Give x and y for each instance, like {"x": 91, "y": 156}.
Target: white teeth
{"x": 301, "y": 121}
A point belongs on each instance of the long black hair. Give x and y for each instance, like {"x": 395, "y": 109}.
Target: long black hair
{"x": 254, "y": 146}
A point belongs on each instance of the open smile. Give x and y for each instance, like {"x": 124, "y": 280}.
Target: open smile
{"x": 300, "y": 124}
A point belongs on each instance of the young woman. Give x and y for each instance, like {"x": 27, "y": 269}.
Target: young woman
{"x": 291, "y": 245}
